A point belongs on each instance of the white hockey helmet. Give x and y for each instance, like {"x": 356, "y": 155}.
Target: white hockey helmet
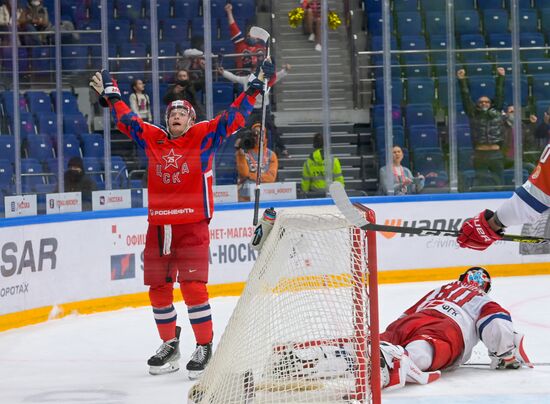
{"x": 477, "y": 275}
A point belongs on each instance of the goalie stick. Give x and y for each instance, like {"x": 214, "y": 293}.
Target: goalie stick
{"x": 352, "y": 215}
{"x": 484, "y": 365}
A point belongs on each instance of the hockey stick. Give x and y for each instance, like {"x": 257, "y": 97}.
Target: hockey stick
{"x": 262, "y": 34}
{"x": 483, "y": 365}
{"x": 352, "y": 215}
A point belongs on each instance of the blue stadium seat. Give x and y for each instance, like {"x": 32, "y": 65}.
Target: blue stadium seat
{"x": 429, "y": 5}
{"x": 533, "y": 40}
{"x": 415, "y": 64}
{"x": 47, "y": 124}
{"x": 377, "y": 62}
{"x": 405, "y": 5}
{"x": 128, "y": 9}
{"x": 42, "y": 59}
{"x": 396, "y": 90}
{"x": 39, "y": 102}
{"x": 509, "y": 90}
{"x": 7, "y": 148}
{"x": 419, "y": 114}
{"x": 167, "y": 49}
{"x": 75, "y": 123}
{"x": 473, "y": 41}
{"x": 509, "y": 174}
{"x": 7, "y": 102}
{"x": 374, "y": 23}
{"x": 90, "y": 37}
{"x": 163, "y": 10}
{"x": 188, "y": 9}
{"x": 409, "y": 22}
{"x": 541, "y": 90}
{"x": 175, "y": 29}
{"x": 26, "y": 124}
{"x": 119, "y": 173}
{"x": 528, "y": 20}
{"x": 222, "y": 93}
{"x": 197, "y": 28}
{"x": 217, "y": 9}
{"x": 463, "y": 5}
{"x": 463, "y": 136}
{"x": 138, "y": 51}
{"x": 420, "y": 90}
{"x": 141, "y": 31}
{"x": 244, "y": 8}
{"x": 482, "y": 86}
{"x": 496, "y": 21}
{"x": 482, "y": 68}
{"x": 71, "y": 146}
{"x": 93, "y": 146}
{"x": 119, "y": 31}
{"x": 467, "y": 22}
{"x": 377, "y": 44}
{"x": 538, "y": 66}
{"x": 545, "y": 21}
{"x": 6, "y": 175}
{"x": 39, "y": 147}
{"x": 423, "y": 136}
{"x": 489, "y": 4}
{"x": 461, "y": 117}
{"x": 501, "y": 41}
{"x": 541, "y": 107}
{"x": 378, "y": 113}
{"x": 439, "y": 59}
{"x": 74, "y": 57}
{"x": 93, "y": 167}
{"x": 372, "y": 6}
{"x": 435, "y": 22}
{"x": 428, "y": 160}
{"x": 68, "y": 101}
{"x": 32, "y": 175}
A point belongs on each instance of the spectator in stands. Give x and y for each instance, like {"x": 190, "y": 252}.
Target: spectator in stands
{"x": 312, "y": 21}
{"x": 34, "y": 18}
{"x": 313, "y": 171}
{"x": 542, "y": 134}
{"x": 403, "y": 180}
{"x": 185, "y": 89}
{"x": 5, "y": 21}
{"x": 247, "y": 157}
{"x": 139, "y": 101}
{"x": 76, "y": 180}
{"x": 487, "y": 128}
{"x": 273, "y": 132}
{"x": 253, "y": 49}
{"x": 193, "y": 61}
{"x": 528, "y": 130}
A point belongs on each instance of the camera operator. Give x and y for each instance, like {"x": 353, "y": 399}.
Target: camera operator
{"x": 247, "y": 157}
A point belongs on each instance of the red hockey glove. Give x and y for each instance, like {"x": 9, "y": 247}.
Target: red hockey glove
{"x": 476, "y": 232}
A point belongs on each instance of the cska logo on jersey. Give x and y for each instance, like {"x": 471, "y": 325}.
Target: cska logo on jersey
{"x": 171, "y": 160}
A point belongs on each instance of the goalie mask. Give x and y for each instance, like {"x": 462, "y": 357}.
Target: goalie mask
{"x": 181, "y": 104}
{"x": 477, "y": 275}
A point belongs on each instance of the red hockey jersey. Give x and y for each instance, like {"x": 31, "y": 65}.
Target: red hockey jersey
{"x": 180, "y": 170}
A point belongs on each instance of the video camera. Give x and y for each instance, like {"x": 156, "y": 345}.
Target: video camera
{"x": 247, "y": 139}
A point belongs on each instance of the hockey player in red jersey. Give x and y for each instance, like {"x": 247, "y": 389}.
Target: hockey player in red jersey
{"x": 526, "y": 204}
{"x": 180, "y": 208}
{"x": 441, "y": 329}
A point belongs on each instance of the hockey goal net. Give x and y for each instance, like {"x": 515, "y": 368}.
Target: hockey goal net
{"x": 305, "y": 329}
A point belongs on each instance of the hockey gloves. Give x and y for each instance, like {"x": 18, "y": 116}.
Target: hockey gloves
{"x": 106, "y": 87}
{"x": 265, "y": 71}
{"x": 513, "y": 359}
{"x": 476, "y": 232}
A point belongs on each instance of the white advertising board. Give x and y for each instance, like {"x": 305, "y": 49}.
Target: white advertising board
{"x": 20, "y": 205}
{"x": 113, "y": 199}
{"x": 225, "y": 193}
{"x": 64, "y": 202}
{"x": 59, "y": 262}
{"x": 277, "y": 191}
{"x": 145, "y": 194}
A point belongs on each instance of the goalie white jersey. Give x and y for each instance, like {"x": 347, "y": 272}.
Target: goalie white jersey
{"x": 475, "y": 313}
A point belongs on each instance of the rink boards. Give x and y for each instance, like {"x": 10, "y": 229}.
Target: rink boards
{"x": 51, "y": 266}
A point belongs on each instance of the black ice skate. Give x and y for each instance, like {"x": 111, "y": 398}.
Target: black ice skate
{"x": 199, "y": 360}
{"x": 166, "y": 360}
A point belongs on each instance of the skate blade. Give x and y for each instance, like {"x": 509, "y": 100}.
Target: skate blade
{"x": 195, "y": 374}
{"x": 170, "y": 367}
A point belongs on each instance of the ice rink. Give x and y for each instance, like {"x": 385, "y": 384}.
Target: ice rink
{"x": 101, "y": 358}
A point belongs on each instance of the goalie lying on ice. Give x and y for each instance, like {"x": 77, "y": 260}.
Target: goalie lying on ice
{"x": 441, "y": 329}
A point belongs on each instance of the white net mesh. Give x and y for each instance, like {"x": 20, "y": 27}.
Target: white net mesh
{"x": 299, "y": 332}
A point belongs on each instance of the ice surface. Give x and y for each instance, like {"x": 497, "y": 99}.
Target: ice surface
{"x": 101, "y": 358}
